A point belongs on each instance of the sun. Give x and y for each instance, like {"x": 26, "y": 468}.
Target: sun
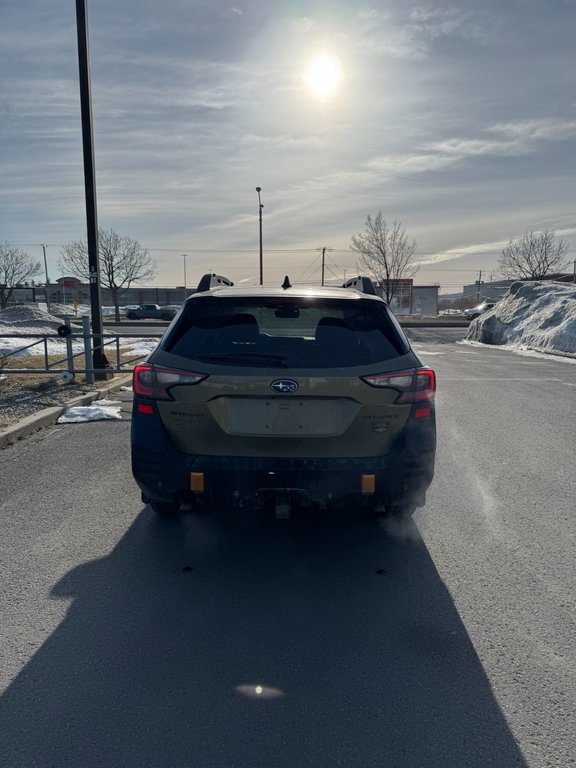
{"x": 323, "y": 76}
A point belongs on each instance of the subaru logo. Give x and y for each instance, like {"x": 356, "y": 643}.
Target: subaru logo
{"x": 284, "y": 386}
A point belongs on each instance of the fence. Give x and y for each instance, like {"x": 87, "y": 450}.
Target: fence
{"x": 105, "y": 341}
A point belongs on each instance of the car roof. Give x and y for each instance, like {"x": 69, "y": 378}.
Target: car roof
{"x": 297, "y": 291}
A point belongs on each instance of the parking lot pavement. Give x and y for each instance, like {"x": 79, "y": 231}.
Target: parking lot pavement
{"x": 446, "y": 643}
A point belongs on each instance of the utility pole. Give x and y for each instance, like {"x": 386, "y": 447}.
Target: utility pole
{"x": 574, "y": 275}
{"x": 479, "y": 281}
{"x": 260, "y": 206}
{"x": 99, "y": 358}
{"x": 323, "y": 249}
{"x": 47, "y": 278}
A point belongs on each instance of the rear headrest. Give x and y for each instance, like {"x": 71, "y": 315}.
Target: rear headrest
{"x": 328, "y": 325}
{"x": 242, "y": 319}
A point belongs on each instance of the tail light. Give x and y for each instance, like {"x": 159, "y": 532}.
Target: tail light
{"x": 155, "y": 382}
{"x": 412, "y": 386}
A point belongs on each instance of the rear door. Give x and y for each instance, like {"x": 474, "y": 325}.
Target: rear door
{"x": 285, "y": 378}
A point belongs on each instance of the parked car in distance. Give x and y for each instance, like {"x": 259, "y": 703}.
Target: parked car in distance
{"x": 288, "y": 398}
{"x": 475, "y": 312}
{"x": 152, "y": 312}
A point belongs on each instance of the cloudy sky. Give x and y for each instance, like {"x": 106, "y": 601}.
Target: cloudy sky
{"x": 456, "y": 118}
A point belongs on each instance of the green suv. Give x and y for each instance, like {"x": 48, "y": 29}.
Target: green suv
{"x": 285, "y": 397}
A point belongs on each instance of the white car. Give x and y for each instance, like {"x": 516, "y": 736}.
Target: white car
{"x": 475, "y": 312}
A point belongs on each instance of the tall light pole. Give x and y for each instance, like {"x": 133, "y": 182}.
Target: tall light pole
{"x": 100, "y": 362}
{"x": 185, "y": 285}
{"x": 260, "y": 206}
{"x": 47, "y": 278}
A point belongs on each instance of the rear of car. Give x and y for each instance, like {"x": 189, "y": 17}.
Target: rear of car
{"x": 283, "y": 397}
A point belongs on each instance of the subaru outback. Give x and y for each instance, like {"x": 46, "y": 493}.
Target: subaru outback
{"x": 285, "y": 397}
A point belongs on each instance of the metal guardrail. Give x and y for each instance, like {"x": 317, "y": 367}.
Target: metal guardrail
{"x": 90, "y": 340}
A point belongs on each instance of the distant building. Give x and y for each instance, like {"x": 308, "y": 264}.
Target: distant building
{"x": 494, "y": 289}
{"x": 67, "y": 289}
{"x": 410, "y": 299}
{"x": 425, "y": 299}
{"x": 561, "y": 277}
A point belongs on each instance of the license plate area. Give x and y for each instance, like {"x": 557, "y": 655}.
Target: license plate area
{"x": 285, "y": 417}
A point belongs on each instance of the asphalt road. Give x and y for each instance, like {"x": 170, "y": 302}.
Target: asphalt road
{"x": 211, "y": 643}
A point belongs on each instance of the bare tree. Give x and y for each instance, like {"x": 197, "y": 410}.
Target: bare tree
{"x": 533, "y": 256}
{"x": 123, "y": 261}
{"x": 16, "y": 266}
{"x": 385, "y": 253}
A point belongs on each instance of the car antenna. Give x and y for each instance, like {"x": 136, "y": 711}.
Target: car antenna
{"x": 286, "y": 283}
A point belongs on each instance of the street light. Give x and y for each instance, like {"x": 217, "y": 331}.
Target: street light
{"x": 47, "y": 279}
{"x": 260, "y": 206}
{"x": 185, "y": 285}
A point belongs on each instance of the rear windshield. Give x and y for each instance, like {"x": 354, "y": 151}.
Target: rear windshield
{"x": 286, "y": 333}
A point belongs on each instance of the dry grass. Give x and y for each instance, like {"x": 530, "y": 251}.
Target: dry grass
{"x": 38, "y": 362}
{"x": 25, "y": 393}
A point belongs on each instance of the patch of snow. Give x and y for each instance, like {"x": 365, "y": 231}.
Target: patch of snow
{"x": 141, "y": 347}
{"x": 533, "y": 316}
{"x": 125, "y": 389}
{"x": 95, "y": 412}
{"x": 68, "y": 309}
{"x": 19, "y": 347}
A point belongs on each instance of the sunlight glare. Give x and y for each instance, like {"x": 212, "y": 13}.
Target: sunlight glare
{"x": 323, "y": 76}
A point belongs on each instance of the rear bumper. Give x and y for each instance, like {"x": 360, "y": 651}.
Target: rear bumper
{"x": 164, "y": 474}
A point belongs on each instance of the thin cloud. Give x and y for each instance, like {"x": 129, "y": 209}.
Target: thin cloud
{"x": 476, "y": 249}
{"x": 547, "y": 129}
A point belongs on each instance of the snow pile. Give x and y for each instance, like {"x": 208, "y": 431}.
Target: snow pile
{"x": 100, "y": 411}
{"x": 21, "y": 320}
{"x": 25, "y": 318}
{"x": 534, "y": 315}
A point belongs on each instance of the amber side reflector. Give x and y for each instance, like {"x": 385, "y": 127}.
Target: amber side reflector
{"x": 368, "y": 484}
{"x": 197, "y": 482}
{"x": 145, "y": 408}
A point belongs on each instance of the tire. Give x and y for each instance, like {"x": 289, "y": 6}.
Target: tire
{"x": 131, "y": 316}
{"x": 165, "y": 316}
{"x": 165, "y": 509}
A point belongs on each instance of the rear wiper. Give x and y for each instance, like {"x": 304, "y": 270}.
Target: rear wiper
{"x": 244, "y": 357}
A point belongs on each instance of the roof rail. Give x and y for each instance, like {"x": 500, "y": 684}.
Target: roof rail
{"x": 212, "y": 280}
{"x": 361, "y": 283}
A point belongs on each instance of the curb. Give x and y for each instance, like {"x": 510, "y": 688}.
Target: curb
{"x": 49, "y": 416}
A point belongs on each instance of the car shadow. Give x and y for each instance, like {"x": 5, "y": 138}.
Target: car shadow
{"x": 213, "y": 643}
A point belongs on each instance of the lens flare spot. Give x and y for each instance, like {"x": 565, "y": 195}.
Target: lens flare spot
{"x": 259, "y": 691}
{"x": 323, "y": 76}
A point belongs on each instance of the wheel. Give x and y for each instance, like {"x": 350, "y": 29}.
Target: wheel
{"x": 165, "y": 508}
{"x": 165, "y": 316}
{"x": 401, "y": 511}
{"x": 131, "y": 316}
